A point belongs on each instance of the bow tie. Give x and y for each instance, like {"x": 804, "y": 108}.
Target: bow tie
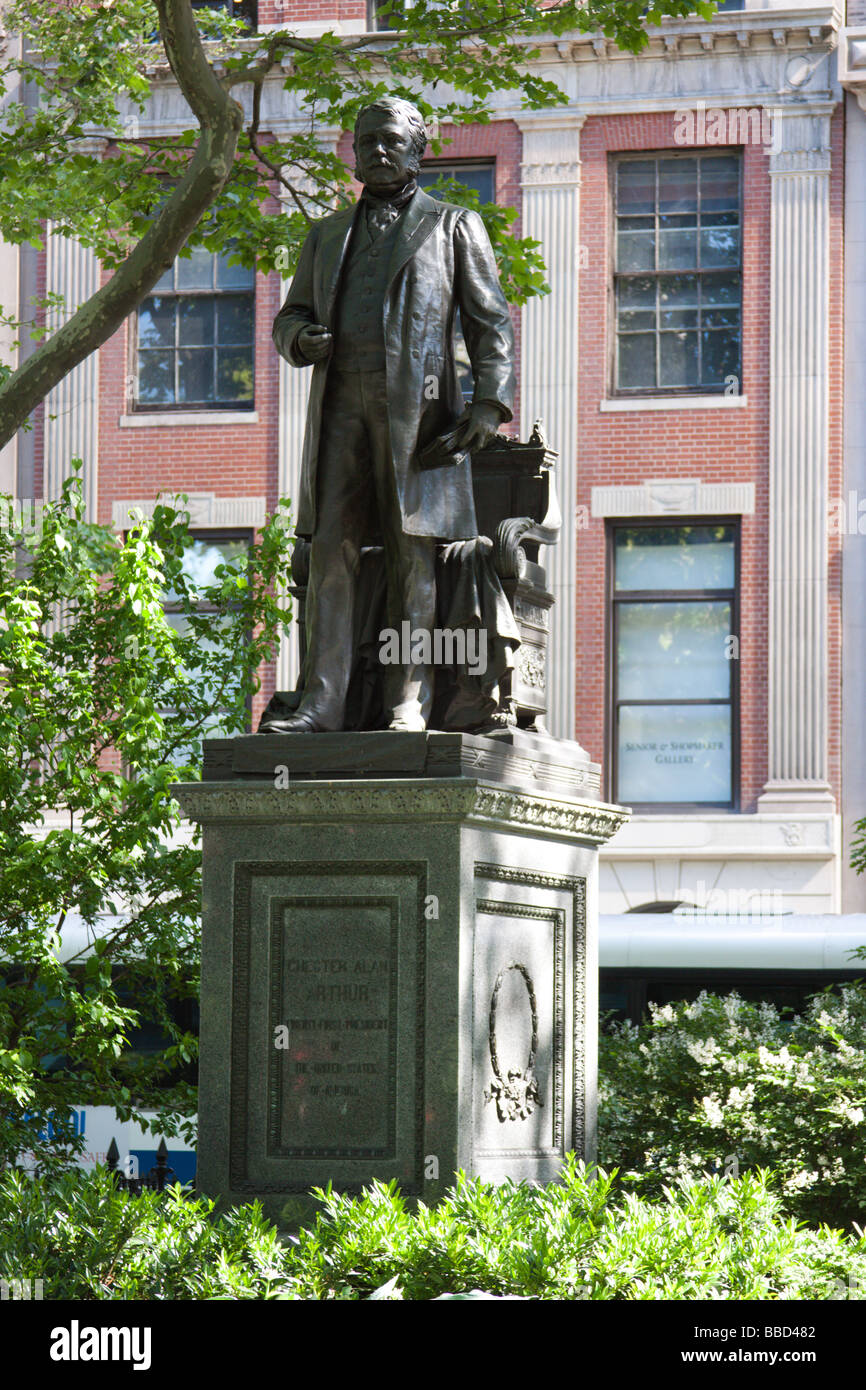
{"x": 381, "y": 212}
{"x": 380, "y": 217}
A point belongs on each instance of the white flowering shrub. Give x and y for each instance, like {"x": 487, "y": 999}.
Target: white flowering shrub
{"x": 723, "y": 1086}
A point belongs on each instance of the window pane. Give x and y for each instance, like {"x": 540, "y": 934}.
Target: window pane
{"x": 674, "y": 753}
{"x": 633, "y": 319}
{"x": 674, "y": 557}
{"x": 678, "y": 359}
{"x": 636, "y": 186}
{"x": 670, "y": 651}
{"x": 637, "y": 360}
{"x": 235, "y": 320}
{"x": 720, "y": 289}
{"x": 195, "y": 272}
{"x": 678, "y": 291}
{"x": 721, "y": 356}
{"x": 195, "y": 322}
{"x": 479, "y": 177}
{"x": 233, "y": 277}
{"x": 156, "y": 378}
{"x": 639, "y": 293}
{"x": 200, "y": 562}
{"x": 636, "y": 250}
{"x": 165, "y": 283}
{"x": 234, "y": 375}
{"x": 678, "y": 249}
{"x": 678, "y": 318}
{"x": 204, "y": 646}
{"x": 156, "y": 323}
{"x": 195, "y": 374}
{"x": 720, "y": 246}
{"x": 678, "y": 185}
{"x": 720, "y": 183}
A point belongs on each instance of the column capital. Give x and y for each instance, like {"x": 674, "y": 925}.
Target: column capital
{"x": 801, "y": 138}
{"x": 551, "y": 149}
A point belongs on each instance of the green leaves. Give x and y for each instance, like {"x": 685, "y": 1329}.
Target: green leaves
{"x": 721, "y": 1085}
{"x": 103, "y": 703}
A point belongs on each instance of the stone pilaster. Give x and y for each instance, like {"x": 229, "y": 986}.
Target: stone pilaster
{"x": 72, "y": 407}
{"x": 294, "y": 390}
{"x": 799, "y": 374}
{"x": 548, "y": 381}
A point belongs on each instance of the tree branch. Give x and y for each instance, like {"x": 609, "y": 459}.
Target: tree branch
{"x": 220, "y": 120}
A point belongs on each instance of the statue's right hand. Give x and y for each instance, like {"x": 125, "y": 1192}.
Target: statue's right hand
{"x": 315, "y": 342}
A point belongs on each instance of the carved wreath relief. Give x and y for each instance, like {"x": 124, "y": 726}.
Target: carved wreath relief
{"x": 517, "y": 1095}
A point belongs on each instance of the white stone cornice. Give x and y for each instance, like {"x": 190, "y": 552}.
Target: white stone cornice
{"x": 674, "y": 497}
{"x": 205, "y": 510}
{"x": 739, "y": 58}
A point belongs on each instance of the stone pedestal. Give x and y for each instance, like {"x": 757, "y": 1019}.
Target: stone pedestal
{"x": 399, "y": 968}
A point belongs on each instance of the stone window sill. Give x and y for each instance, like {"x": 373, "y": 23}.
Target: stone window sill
{"x": 673, "y": 403}
{"x": 189, "y": 417}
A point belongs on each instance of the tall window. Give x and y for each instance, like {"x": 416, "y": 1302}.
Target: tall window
{"x": 674, "y": 650}
{"x": 195, "y": 337}
{"x": 677, "y": 278}
{"x": 480, "y": 176}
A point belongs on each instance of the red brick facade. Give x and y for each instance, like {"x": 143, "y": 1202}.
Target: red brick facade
{"x": 714, "y": 445}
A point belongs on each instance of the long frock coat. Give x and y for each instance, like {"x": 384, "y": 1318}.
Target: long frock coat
{"x": 441, "y": 261}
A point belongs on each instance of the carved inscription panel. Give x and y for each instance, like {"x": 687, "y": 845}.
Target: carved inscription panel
{"x": 327, "y": 1037}
{"x": 332, "y": 1068}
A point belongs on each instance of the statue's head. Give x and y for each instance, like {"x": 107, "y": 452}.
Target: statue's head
{"x": 390, "y": 140}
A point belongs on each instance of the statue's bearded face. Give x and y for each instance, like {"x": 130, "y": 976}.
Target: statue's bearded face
{"x": 385, "y": 153}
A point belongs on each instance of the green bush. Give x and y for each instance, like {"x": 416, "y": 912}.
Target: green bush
{"x": 574, "y": 1239}
{"x": 85, "y": 1240}
{"x": 727, "y": 1086}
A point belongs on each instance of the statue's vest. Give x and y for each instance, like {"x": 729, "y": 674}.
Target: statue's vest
{"x": 359, "y": 337}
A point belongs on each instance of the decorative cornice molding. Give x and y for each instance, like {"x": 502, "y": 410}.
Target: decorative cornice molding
{"x": 768, "y": 39}
{"x": 811, "y": 161}
{"x": 400, "y": 801}
{"x": 204, "y": 510}
{"x": 551, "y": 175}
{"x": 674, "y": 496}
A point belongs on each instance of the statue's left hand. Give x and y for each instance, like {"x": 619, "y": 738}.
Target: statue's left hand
{"x": 484, "y": 420}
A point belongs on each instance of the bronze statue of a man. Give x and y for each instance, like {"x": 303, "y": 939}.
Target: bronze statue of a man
{"x": 373, "y": 305}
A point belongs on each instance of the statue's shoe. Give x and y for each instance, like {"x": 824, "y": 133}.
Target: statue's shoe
{"x": 294, "y": 724}
{"x": 408, "y": 726}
